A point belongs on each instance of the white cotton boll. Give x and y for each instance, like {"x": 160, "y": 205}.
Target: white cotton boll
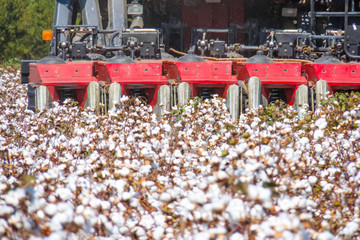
{"x": 160, "y": 220}
{"x": 185, "y": 203}
{"x": 289, "y": 153}
{"x": 33, "y": 138}
{"x": 63, "y": 218}
{"x": 80, "y": 131}
{"x": 57, "y": 235}
{"x": 351, "y": 169}
{"x": 3, "y": 226}
{"x": 221, "y": 175}
{"x": 6, "y": 210}
{"x": 140, "y": 232}
{"x": 64, "y": 193}
{"x": 249, "y": 154}
{"x": 125, "y": 196}
{"x": 101, "y": 219}
{"x": 16, "y": 220}
{"x": 265, "y": 150}
{"x": 178, "y": 154}
{"x": 302, "y": 203}
{"x": 124, "y": 171}
{"x": 124, "y": 230}
{"x": 256, "y": 192}
{"x": 105, "y": 205}
{"x": 29, "y": 161}
{"x": 321, "y": 123}
{"x": 325, "y": 236}
{"x": 117, "y": 219}
{"x": 165, "y": 197}
{"x": 147, "y": 221}
{"x": 109, "y": 227}
{"x": 50, "y": 209}
{"x": 318, "y": 148}
{"x": 318, "y": 134}
{"x": 217, "y": 206}
{"x": 162, "y": 179}
{"x": 95, "y": 202}
{"x": 156, "y": 130}
{"x": 257, "y": 212}
{"x": 130, "y": 139}
{"x": 148, "y": 184}
{"x": 167, "y": 128}
{"x": 74, "y": 142}
{"x": 3, "y": 186}
{"x": 237, "y": 236}
{"x": 85, "y": 142}
{"x": 158, "y": 233}
{"x": 236, "y": 210}
{"x": 197, "y": 196}
{"x": 217, "y": 231}
{"x": 241, "y": 148}
{"x": 346, "y": 144}
{"x": 134, "y": 202}
{"x": 214, "y": 160}
{"x": 13, "y": 197}
{"x": 202, "y": 236}
{"x": 51, "y": 198}
{"x": 178, "y": 125}
{"x": 350, "y": 229}
{"x": 40, "y": 214}
{"x": 145, "y": 170}
{"x": 80, "y": 209}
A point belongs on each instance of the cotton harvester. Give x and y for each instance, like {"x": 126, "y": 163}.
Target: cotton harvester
{"x": 250, "y": 52}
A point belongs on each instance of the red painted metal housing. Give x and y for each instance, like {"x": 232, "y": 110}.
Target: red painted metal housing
{"x": 287, "y": 76}
{"x": 216, "y": 75}
{"x": 345, "y": 76}
{"x": 72, "y": 75}
{"x": 202, "y": 14}
{"x": 148, "y": 76}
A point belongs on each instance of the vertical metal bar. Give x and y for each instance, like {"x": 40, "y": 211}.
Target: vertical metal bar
{"x": 91, "y": 15}
{"x": 117, "y": 14}
{"x": 312, "y": 15}
{"x": 63, "y": 16}
{"x": 63, "y": 12}
{"x": 346, "y": 15}
{"x": 241, "y": 100}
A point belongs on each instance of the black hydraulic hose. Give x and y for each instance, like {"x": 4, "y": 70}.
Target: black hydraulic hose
{"x": 350, "y": 55}
{"x": 112, "y": 38}
{"x": 84, "y": 37}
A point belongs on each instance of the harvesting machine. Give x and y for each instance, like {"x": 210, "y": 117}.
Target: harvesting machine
{"x": 250, "y": 52}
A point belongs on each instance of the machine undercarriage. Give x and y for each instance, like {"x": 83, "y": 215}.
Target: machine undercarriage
{"x": 249, "y": 52}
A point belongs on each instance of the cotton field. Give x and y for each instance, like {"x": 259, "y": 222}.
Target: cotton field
{"x": 68, "y": 173}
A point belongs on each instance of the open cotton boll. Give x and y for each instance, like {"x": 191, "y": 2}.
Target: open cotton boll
{"x": 256, "y": 192}
{"x": 350, "y": 229}
{"x": 321, "y": 123}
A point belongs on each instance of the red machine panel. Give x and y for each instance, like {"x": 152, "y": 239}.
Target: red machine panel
{"x": 217, "y": 75}
{"x": 72, "y": 73}
{"x": 287, "y": 76}
{"x": 345, "y": 76}
{"x": 148, "y": 76}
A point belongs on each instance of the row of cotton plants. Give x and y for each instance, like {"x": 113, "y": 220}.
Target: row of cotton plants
{"x": 68, "y": 173}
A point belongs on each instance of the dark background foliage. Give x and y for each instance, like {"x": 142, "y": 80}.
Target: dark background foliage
{"x": 21, "y": 25}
